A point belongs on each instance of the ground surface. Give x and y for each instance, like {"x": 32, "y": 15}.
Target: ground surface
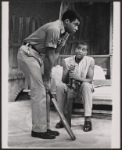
{"x": 20, "y": 127}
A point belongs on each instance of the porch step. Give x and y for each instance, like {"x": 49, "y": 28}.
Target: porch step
{"x": 102, "y": 98}
{"x": 100, "y": 83}
{"x": 101, "y": 114}
{"x": 102, "y": 101}
{"x": 94, "y": 112}
{"x": 103, "y": 95}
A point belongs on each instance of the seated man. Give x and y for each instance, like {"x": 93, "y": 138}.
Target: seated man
{"x": 78, "y": 72}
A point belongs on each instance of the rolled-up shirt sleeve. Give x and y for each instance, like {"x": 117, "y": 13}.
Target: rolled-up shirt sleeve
{"x": 52, "y": 38}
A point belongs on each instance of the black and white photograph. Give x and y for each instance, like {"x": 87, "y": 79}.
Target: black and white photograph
{"x": 60, "y": 74}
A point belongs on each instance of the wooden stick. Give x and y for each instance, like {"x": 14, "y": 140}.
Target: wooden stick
{"x": 64, "y": 121}
{"x": 48, "y": 109}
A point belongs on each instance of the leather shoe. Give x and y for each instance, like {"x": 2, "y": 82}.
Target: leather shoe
{"x": 59, "y": 125}
{"x": 87, "y": 126}
{"x": 42, "y": 135}
{"x": 55, "y": 133}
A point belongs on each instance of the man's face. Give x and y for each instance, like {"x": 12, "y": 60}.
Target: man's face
{"x": 72, "y": 27}
{"x": 81, "y": 51}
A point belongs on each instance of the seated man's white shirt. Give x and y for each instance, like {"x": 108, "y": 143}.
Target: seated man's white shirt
{"x": 82, "y": 67}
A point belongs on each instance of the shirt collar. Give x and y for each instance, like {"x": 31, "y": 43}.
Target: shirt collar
{"x": 80, "y": 60}
{"x": 62, "y": 26}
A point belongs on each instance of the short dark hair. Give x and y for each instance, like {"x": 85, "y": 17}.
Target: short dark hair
{"x": 71, "y": 15}
{"x": 83, "y": 43}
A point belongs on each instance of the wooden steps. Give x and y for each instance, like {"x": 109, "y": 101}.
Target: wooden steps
{"x": 101, "y": 96}
{"x": 102, "y": 99}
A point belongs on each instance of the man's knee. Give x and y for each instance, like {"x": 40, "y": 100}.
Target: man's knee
{"x": 85, "y": 85}
{"x": 61, "y": 86}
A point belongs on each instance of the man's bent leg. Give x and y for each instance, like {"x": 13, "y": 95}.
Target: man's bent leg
{"x": 30, "y": 66}
{"x": 68, "y": 104}
{"x": 86, "y": 92}
{"x": 61, "y": 97}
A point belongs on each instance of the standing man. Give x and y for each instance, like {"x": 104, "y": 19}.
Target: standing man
{"x": 80, "y": 70}
{"x": 49, "y": 40}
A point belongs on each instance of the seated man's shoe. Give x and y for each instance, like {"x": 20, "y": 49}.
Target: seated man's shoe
{"x": 42, "y": 135}
{"x": 87, "y": 126}
{"x": 59, "y": 125}
{"x": 55, "y": 133}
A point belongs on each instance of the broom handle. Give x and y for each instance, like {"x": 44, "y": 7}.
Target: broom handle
{"x": 48, "y": 109}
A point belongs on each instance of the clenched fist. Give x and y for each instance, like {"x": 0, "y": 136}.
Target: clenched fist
{"x": 64, "y": 39}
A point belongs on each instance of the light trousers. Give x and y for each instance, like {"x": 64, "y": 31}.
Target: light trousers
{"x": 33, "y": 73}
{"x": 85, "y": 94}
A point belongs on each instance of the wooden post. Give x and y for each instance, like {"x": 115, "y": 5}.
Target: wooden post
{"x": 13, "y": 29}
{"x": 20, "y": 29}
{"x": 27, "y": 25}
{"x": 33, "y": 25}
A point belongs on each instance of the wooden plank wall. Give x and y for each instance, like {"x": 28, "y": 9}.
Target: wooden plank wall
{"x": 24, "y": 18}
{"x": 20, "y": 28}
{"x": 93, "y": 30}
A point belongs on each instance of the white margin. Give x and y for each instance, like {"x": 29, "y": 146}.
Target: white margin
{"x": 115, "y": 143}
{"x": 4, "y": 52}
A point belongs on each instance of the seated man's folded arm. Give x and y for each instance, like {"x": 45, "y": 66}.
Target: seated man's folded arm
{"x": 90, "y": 73}
{"x": 89, "y": 76}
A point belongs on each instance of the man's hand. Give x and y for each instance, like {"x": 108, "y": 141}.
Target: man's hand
{"x": 47, "y": 84}
{"x": 28, "y": 52}
{"x": 74, "y": 76}
{"x": 61, "y": 43}
{"x": 72, "y": 68}
{"x": 64, "y": 39}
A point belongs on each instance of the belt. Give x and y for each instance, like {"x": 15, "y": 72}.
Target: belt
{"x": 31, "y": 46}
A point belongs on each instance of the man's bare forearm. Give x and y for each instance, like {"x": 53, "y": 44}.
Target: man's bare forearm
{"x": 51, "y": 57}
{"x": 49, "y": 62}
{"x": 47, "y": 68}
{"x": 62, "y": 43}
